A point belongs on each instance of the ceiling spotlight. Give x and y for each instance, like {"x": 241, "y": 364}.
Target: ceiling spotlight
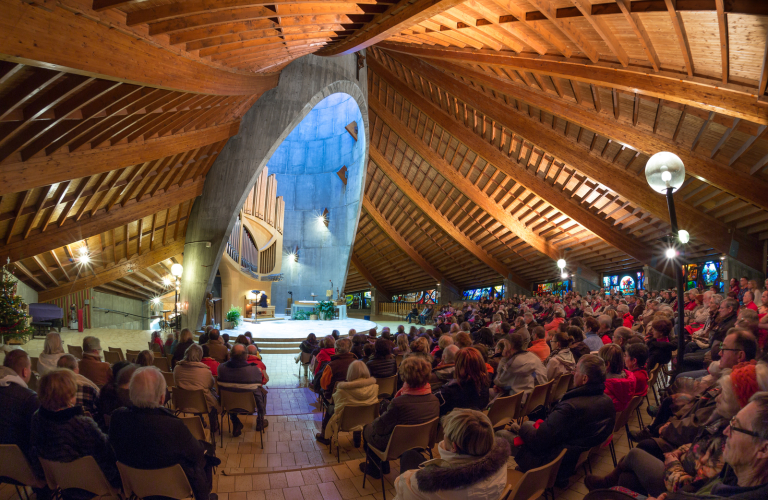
{"x": 156, "y": 300}
{"x": 177, "y": 270}
{"x": 167, "y": 281}
{"x": 561, "y": 263}
{"x": 684, "y": 236}
{"x": 670, "y": 253}
{"x": 722, "y": 257}
{"x": 83, "y": 250}
{"x": 564, "y": 275}
{"x": 84, "y": 258}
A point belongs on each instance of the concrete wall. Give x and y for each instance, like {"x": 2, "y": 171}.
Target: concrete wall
{"x": 103, "y": 319}
{"x": 302, "y": 85}
{"x": 656, "y": 280}
{"x": 735, "y": 269}
{"x": 511, "y": 288}
{"x": 306, "y": 164}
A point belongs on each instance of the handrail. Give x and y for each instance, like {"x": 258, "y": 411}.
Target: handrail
{"x": 120, "y": 312}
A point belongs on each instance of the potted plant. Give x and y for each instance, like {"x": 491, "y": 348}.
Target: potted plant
{"x": 234, "y": 318}
{"x": 326, "y": 309}
{"x": 313, "y": 314}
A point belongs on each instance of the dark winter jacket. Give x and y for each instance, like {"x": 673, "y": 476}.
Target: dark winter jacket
{"x": 153, "y": 438}
{"x": 382, "y": 367}
{"x": 66, "y": 435}
{"x": 461, "y": 395}
{"x": 307, "y": 347}
{"x": 17, "y": 405}
{"x": 659, "y": 352}
{"x": 181, "y": 348}
{"x": 336, "y": 371}
{"x": 583, "y": 418}
{"x": 724, "y": 486}
{"x": 405, "y": 409}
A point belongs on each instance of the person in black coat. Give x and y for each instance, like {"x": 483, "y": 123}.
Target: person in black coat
{"x": 469, "y": 388}
{"x": 148, "y": 436}
{"x": 185, "y": 340}
{"x": 382, "y": 364}
{"x": 62, "y": 433}
{"x": 17, "y": 402}
{"x": 583, "y": 418}
{"x": 659, "y": 347}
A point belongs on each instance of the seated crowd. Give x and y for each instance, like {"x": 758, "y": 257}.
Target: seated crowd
{"x": 708, "y": 438}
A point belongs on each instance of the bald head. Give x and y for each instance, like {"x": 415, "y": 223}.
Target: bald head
{"x": 238, "y": 352}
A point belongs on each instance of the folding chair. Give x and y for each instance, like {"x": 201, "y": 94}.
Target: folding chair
{"x": 75, "y": 351}
{"x": 170, "y": 482}
{"x": 170, "y": 382}
{"x": 192, "y": 402}
{"x": 538, "y": 397}
{"x": 118, "y": 350}
{"x": 238, "y": 403}
{"x": 559, "y": 388}
{"x": 387, "y": 386}
{"x": 162, "y": 363}
{"x": 196, "y": 428}
{"x": 633, "y": 407}
{"x": 621, "y": 421}
{"x": 83, "y": 473}
{"x": 505, "y": 409}
{"x": 15, "y": 470}
{"x": 33, "y": 361}
{"x": 352, "y": 418}
{"x": 398, "y": 359}
{"x": 304, "y": 359}
{"x": 111, "y": 357}
{"x": 536, "y": 482}
{"x": 653, "y": 376}
{"x": 402, "y": 439}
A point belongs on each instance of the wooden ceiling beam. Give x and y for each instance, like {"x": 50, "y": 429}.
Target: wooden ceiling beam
{"x": 20, "y": 176}
{"x": 575, "y": 35}
{"x": 722, "y": 25}
{"x": 603, "y": 30}
{"x": 95, "y": 49}
{"x": 71, "y": 231}
{"x": 398, "y": 17}
{"x": 121, "y": 292}
{"x": 553, "y": 194}
{"x": 510, "y": 28}
{"x": 366, "y": 274}
{"x": 705, "y": 228}
{"x": 58, "y": 264}
{"x": 21, "y": 267}
{"x": 719, "y": 99}
{"x": 697, "y": 165}
{"x": 682, "y": 38}
{"x": 395, "y": 236}
{"x": 123, "y": 269}
{"x": 642, "y": 35}
{"x": 44, "y": 268}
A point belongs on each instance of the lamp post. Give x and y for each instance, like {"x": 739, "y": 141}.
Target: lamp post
{"x": 665, "y": 174}
{"x": 177, "y": 270}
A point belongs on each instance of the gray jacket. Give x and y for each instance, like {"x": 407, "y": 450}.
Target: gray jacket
{"x": 521, "y": 372}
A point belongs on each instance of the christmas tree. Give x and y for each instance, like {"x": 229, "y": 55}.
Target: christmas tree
{"x": 13, "y": 319}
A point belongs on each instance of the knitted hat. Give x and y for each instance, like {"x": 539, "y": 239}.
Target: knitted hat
{"x": 744, "y": 381}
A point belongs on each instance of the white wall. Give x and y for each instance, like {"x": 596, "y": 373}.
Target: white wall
{"x": 103, "y": 319}
{"x": 28, "y": 295}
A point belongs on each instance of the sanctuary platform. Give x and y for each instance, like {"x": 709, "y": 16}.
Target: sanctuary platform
{"x": 283, "y": 336}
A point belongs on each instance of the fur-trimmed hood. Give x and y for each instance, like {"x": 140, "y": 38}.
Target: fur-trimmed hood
{"x": 455, "y": 474}
{"x": 356, "y": 384}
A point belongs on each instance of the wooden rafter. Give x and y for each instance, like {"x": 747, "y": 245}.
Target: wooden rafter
{"x": 682, "y": 38}
{"x": 365, "y": 273}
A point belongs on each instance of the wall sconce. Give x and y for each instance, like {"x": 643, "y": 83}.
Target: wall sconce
{"x": 323, "y": 217}
{"x": 293, "y": 255}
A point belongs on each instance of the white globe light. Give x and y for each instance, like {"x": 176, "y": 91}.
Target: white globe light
{"x": 177, "y": 270}
{"x": 564, "y": 275}
{"x": 561, "y": 263}
{"x": 683, "y": 236}
{"x": 665, "y": 170}
{"x": 671, "y": 253}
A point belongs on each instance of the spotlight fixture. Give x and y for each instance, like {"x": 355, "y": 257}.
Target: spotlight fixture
{"x": 722, "y": 257}
{"x": 564, "y": 275}
{"x": 177, "y": 270}
{"x": 561, "y": 263}
{"x": 156, "y": 300}
{"x": 167, "y": 282}
{"x": 84, "y": 258}
{"x": 323, "y": 218}
{"x": 670, "y": 253}
{"x": 684, "y": 236}
{"x": 294, "y": 255}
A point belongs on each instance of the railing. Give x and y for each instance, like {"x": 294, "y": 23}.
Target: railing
{"x": 398, "y": 309}
{"x": 107, "y": 311}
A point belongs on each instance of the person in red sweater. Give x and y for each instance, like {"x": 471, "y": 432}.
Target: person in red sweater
{"x": 627, "y": 319}
{"x": 635, "y": 357}
{"x": 619, "y": 382}
{"x": 605, "y": 332}
{"x": 749, "y": 301}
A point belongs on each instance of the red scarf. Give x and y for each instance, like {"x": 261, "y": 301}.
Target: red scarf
{"x": 414, "y": 391}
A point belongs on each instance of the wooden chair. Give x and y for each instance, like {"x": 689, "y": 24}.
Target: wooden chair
{"x": 111, "y": 357}
{"x": 191, "y": 402}
{"x": 170, "y": 382}
{"x": 353, "y": 417}
{"x": 653, "y": 376}
{"x": 387, "y": 386}
{"x": 33, "y": 361}
{"x": 402, "y": 439}
{"x": 538, "y": 397}
{"x": 75, "y": 351}
{"x": 621, "y": 421}
{"x": 536, "y": 482}
{"x": 15, "y": 470}
{"x": 170, "y": 482}
{"x": 304, "y": 359}
{"x": 398, "y": 359}
{"x": 237, "y": 403}
{"x": 131, "y": 355}
{"x": 195, "y": 426}
{"x": 83, "y": 473}
{"x": 154, "y": 347}
{"x": 607, "y": 495}
{"x": 633, "y": 407}
{"x": 162, "y": 363}
{"x": 505, "y": 409}
{"x": 559, "y": 388}
{"x": 118, "y": 350}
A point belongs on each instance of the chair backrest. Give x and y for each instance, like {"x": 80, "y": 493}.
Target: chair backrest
{"x": 408, "y": 437}
{"x": 153, "y": 346}
{"x": 169, "y": 482}
{"x": 538, "y": 397}
{"x": 33, "y": 360}
{"x": 162, "y": 363}
{"x": 14, "y": 465}
{"x": 387, "y": 385}
{"x": 535, "y": 481}
{"x": 623, "y": 417}
{"x": 353, "y": 416}
{"x": 607, "y": 495}
{"x": 398, "y": 359}
{"x": 131, "y": 355}
{"x": 169, "y": 380}
{"x": 506, "y": 407}
{"x": 83, "y": 473}
{"x": 195, "y": 426}
{"x": 306, "y": 357}
{"x": 75, "y": 351}
{"x": 560, "y": 387}
{"x": 237, "y": 401}
{"x": 185, "y": 401}
{"x": 118, "y": 350}
{"x": 111, "y": 357}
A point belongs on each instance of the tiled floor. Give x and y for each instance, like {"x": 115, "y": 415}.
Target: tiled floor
{"x": 292, "y": 465}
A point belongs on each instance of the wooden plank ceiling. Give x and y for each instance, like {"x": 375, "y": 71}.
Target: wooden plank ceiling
{"x": 504, "y": 134}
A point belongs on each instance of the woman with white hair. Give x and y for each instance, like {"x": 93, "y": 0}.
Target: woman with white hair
{"x": 472, "y": 463}
{"x": 53, "y": 349}
{"x": 359, "y": 389}
{"x": 191, "y": 374}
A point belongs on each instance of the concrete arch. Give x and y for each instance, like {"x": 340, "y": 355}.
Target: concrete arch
{"x": 303, "y": 84}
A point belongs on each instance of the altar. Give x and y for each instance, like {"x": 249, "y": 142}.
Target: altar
{"x": 309, "y": 305}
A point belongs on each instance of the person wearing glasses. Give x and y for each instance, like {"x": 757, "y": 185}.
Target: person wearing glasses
{"x": 693, "y": 465}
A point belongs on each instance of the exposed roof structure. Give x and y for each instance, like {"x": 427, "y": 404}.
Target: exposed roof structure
{"x": 504, "y": 134}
